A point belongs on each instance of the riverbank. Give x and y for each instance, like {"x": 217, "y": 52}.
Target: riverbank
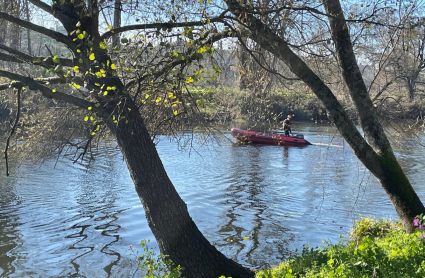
{"x": 376, "y": 248}
{"x": 232, "y": 104}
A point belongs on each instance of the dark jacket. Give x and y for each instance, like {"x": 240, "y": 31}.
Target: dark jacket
{"x": 287, "y": 124}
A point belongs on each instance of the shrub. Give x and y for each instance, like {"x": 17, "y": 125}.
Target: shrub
{"x": 152, "y": 265}
{"x": 377, "y": 249}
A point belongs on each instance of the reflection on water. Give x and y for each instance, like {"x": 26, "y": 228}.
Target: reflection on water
{"x": 256, "y": 203}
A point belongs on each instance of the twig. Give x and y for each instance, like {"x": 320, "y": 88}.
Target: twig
{"x": 48, "y": 49}
{"x": 12, "y": 131}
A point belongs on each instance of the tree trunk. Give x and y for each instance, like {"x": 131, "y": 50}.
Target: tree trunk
{"x": 376, "y": 153}
{"x": 28, "y": 30}
{"x": 176, "y": 233}
{"x": 389, "y": 172}
{"x": 117, "y": 23}
{"x": 411, "y": 84}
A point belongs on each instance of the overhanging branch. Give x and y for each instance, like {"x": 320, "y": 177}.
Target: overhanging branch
{"x": 37, "y": 28}
{"x": 47, "y": 92}
{"x": 214, "y": 37}
{"x": 12, "y": 131}
{"x": 168, "y": 25}
{"x": 20, "y": 57}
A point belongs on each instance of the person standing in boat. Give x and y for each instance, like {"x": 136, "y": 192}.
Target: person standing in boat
{"x": 287, "y": 125}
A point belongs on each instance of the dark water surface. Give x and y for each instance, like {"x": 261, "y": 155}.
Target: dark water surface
{"x": 70, "y": 221}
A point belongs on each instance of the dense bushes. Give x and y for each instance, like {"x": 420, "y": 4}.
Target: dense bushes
{"x": 376, "y": 248}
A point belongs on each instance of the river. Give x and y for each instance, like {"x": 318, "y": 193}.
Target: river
{"x": 256, "y": 204}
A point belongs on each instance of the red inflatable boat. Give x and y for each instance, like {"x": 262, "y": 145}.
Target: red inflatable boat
{"x": 268, "y": 137}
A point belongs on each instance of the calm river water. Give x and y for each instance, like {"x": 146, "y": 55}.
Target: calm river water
{"x": 73, "y": 221}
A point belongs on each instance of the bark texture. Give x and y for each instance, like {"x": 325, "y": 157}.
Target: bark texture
{"x": 176, "y": 233}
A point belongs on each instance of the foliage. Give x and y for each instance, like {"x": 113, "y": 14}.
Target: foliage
{"x": 153, "y": 266}
{"x": 372, "y": 227}
{"x": 380, "y": 249}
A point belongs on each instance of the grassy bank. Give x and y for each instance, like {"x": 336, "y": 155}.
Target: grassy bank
{"x": 376, "y": 248}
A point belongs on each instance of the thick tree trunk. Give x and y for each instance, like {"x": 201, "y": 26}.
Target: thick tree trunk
{"x": 376, "y": 153}
{"x": 167, "y": 215}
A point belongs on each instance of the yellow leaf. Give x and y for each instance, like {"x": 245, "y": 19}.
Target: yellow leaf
{"x": 109, "y": 27}
{"x": 189, "y": 79}
{"x": 158, "y": 99}
{"x": 103, "y": 46}
{"x": 105, "y": 93}
{"x": 75, "y": 68}
{"x": 175, "y": 112}
{"x": 86, "y": 118}
{"x": 113, "y": 66}
{"x": 81, "y": 36}
{"x": 89, "y": 108}
{"x": 246, "y": 237}
{"x": 92, "y": 57}
{"x": 146, "y": 96}
{"x": 76, "y": 86}
{"x": 53, "y": 90}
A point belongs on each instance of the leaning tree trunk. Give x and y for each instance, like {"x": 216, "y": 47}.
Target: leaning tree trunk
{"x": 167, "y": 215}
{"x": 375, "y": 153}
{"x": 389, "y": 172}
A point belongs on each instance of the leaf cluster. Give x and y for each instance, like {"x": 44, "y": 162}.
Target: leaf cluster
{"x": 152, "y": 265}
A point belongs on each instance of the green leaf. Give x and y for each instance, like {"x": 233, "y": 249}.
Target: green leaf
{"x": 56, "y": 59}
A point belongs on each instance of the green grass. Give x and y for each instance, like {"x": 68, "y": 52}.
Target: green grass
{"x": 376, "y": 248}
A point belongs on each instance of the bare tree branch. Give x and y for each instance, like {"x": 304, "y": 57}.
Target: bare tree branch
{"x": 169, "y": 25}
{"x": 20, "y": 57}
{"x": 12, "y": 131}
{"x": 47, "y": 92}
{"x": 67, "y": 23}
{"x": 50, "y": 33}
